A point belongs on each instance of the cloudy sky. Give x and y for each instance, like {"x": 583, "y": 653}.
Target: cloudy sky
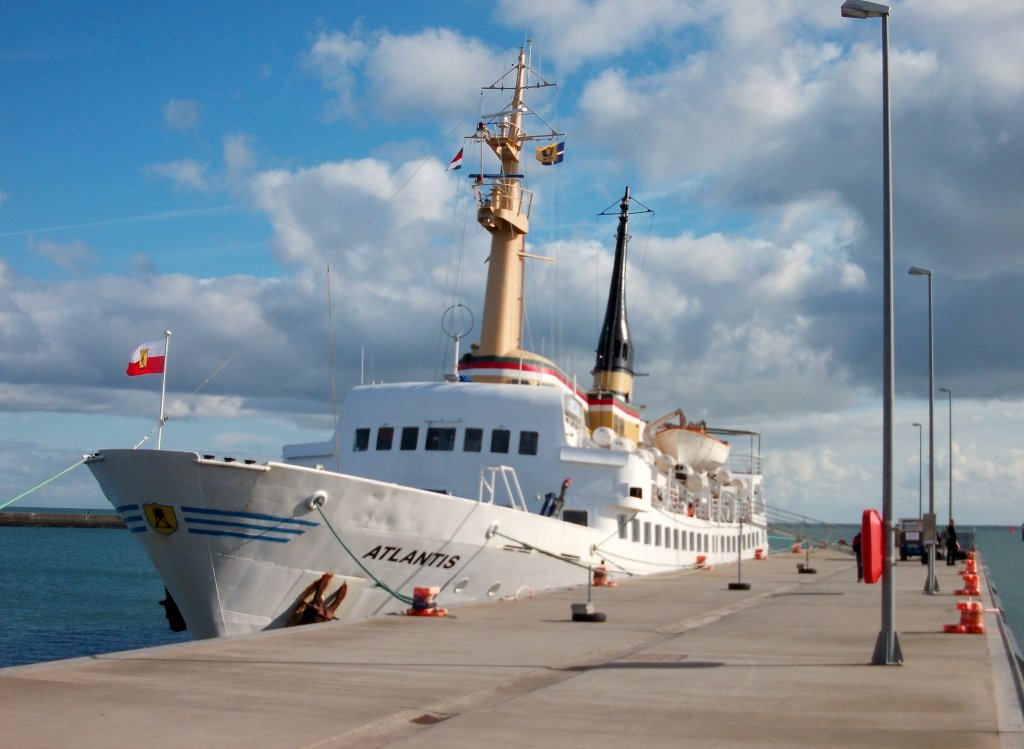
{"x": 199, "y": 171}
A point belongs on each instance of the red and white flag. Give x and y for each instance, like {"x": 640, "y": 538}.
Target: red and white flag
{"x": 456, "y": 162}
{"x": 148, "y": 358}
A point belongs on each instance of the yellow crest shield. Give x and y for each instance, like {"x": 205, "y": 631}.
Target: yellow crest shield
{"x": 143, "y": 358}
{"x": 161, "y": 518}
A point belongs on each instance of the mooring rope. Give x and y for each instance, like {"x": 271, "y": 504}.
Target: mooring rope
{"x": 551, "y": 554}
{"x": 667, "y": 565}
{"x": 41, "y": 484}
{"x": 379, "y": 583}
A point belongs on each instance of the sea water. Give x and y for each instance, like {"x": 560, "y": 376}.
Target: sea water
{"x": 69, "y": 592}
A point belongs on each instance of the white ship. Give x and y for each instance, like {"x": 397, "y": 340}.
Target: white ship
{"x": 504, "y": 479}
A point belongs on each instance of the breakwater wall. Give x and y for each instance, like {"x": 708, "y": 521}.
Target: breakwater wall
{"x": 60, "y": 520}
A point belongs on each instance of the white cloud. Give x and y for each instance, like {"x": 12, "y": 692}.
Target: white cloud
{"x": 184, "y": 173}
{"x": 181, "y": 114}
{"x": 575, "y": 31}
{"x": 239, "y": 156}
{"x": 69, "y": 256}
{"x": 434, "y": 73}
{"x": 333, "y": 58}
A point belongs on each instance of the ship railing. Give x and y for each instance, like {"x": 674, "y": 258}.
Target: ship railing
{"x": 502, "y": 195}
{"x": 749, "y": 464}
{"x": 493, "y": 478}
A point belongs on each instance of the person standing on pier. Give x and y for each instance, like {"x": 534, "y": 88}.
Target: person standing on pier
{"x": 951, "y": 544}
{"x": 856, "y": 552}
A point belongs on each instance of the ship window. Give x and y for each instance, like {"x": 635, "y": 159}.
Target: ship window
{"x": 647, "y": 533}
{"x": 622, "y": 526}
{"x": 635, "y": 525}
{"x": 499, "y": 440}
{"x": 473, "y": 440}
{"x": 657, "y": 535}
{"x": 441, "y": 438}
{"x": 410, "y": 436}
{"x": 362, "y": 441}
{"x": 636, "y": 491}
{"x": 578, "y": 517}
{"x": 675, "y": 538}
{"x": 692, "y": 546}
{"x": 385, "y": 436}
{"x": 528, "y": 443}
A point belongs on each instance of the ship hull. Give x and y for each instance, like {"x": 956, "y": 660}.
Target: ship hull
{"x": 237, "y": 544}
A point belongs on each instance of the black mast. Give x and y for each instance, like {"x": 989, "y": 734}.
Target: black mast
{"x": 614, "y": 349}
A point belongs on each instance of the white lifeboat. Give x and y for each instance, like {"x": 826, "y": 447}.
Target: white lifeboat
{"x": 687, "y": 442}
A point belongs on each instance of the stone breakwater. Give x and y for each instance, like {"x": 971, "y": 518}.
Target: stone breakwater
{"x": 59, "y": 520}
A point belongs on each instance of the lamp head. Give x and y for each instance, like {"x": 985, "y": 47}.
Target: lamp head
{"x": 915, "y": 424}
{"x": 864, "y": 9}
{"x": 916, "y": 271}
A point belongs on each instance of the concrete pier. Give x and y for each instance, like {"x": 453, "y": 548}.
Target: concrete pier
{"x": 681, "y": 661}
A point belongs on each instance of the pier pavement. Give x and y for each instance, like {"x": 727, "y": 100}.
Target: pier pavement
{"x": 681, "y": 661}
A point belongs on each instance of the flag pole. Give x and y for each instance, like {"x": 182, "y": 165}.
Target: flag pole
{"x": 163, "y": 387}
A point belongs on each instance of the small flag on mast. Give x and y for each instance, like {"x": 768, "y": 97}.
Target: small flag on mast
{"x": 148, "y": 358}
{"x": 456, "y": 162}
{"x": 552, "y": 153}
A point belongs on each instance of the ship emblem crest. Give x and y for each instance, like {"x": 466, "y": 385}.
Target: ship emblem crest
{"x": 161, "y": 518}
{"x": 143, "y": 358}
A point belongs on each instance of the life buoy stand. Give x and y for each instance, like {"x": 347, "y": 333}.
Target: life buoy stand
{"x": 312, "y": 607}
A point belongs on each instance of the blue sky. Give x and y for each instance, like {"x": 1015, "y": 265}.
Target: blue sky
{"x": 196, "y": 169}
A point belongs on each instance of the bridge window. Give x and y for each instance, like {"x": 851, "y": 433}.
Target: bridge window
{"x": 410, "y": 436}
{"x": 622, "y": 526}
{"x": 647, "y": 533}
{"x": 362, "y": 440}
{"x": 528, "y": 443}
{"x": 473, "y": 440}
{"x": 635, "y": 526}
{"x": 579, "y": 517}
{"x": 385, "y": 436}
{"x": 441, "y": 438}
{"x": 499, "y": 440}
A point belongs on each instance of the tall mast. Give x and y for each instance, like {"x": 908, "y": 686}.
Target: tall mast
{"x": 613, "y": 370}
{"x": 503, "y": 215}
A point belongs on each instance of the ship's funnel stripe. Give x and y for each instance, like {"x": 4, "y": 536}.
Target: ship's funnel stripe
{"x": 126, "y": 508}
{"x": 247, "y": 526}
{"x": 234, "y": 534}
{"x": 133, "y": 519}
{"x": 138, "y": 529}
{"x": 249, "y": 516}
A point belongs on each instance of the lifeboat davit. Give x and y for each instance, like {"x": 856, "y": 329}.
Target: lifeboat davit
{"x": 687, "y": 442}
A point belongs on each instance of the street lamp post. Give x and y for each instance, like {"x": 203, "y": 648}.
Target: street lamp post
{"x": 920, "y": 461}
{"x": 887, "y": 646}
{"x": 931, "y": 585}
{"x": 950, "y": 393}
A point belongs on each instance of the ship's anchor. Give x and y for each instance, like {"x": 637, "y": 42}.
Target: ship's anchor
{"x": 312, "y": 607}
